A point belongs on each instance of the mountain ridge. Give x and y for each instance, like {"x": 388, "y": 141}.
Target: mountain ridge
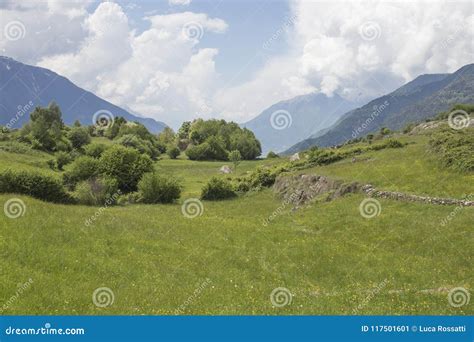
{"x": 421, "y": 98}
{"x": 299, "y": 117}
{"x": 27, "y": 86}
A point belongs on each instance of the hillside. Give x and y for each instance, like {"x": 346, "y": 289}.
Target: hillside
{"x": 417, "y": 100}
{"x": 23, "y": 87}
{"x": 300, "y": 117}
{"x": 330, "y": 257}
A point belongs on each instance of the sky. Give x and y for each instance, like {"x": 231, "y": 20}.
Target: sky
{"x": 176, "y": 60}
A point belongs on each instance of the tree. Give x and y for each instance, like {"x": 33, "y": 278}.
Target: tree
{"x": 79, "y": 136}
{"x": 173, "y": 151}
{"x": 126, "y": 165}
{"x": 45, "y": 128}
{"x": 183, "y": 131}
{"x": 77, "y": 123}
{"x": 167, "y": 136}
{"x": 272, "y": 154}
{"x": 235, "y": 158}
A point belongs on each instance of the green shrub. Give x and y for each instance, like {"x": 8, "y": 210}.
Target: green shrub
{"x": 393, "y": 143}
{"x": 130, "y": 198}
{"x": 454, "y": 148}
{"x": 94, "y": 150}
{"x": 217, "y": 189}
{"x": 142, "y": 146}
{"x": 62, "y": 158}
{"x": 272, "y": 155}
{"x": 37, "y": 185}
{"x": 79, "y": 136}
{"x": 158, "y": 189}
{"x": 173, "y": 151}
{"x": 126, "y": 165}
{"x": 97, "y": 191}
{"x": 82, "y": 168}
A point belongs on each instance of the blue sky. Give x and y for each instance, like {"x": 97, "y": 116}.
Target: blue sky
{"x": 251, "y": 23}
{"x": 176, "y": 60}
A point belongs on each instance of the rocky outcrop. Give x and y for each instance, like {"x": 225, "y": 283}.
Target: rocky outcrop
{"x": 300, "y": 189}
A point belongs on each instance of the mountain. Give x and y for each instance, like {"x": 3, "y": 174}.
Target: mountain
{"x": 23, "y": 87}
{"x": 422, "y": 98}
{"x": 287, "y": 122}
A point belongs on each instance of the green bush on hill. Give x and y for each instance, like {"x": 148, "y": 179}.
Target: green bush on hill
{"x": 83, "y": 168}
{"x": 94, "y": 150}
{"x": 454, "y": 148}
{"x": 79, "y": 136}
{"x": 96, "y": 191}
{"x": 173, "y": 151}
{"x": 158, "y": 189}
{"x": 126, "y": 165}
{"x": 217, "y": 189}
{"x": 37, "y": 185}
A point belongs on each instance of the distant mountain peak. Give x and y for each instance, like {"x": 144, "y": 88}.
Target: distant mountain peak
{"x": 303, "y": 116}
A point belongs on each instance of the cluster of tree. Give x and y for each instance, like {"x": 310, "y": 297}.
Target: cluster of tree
{"x": 217, "y": 140}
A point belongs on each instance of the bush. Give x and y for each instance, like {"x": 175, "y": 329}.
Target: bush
{"x": 217, "y": 189}
{"x": 97, "y": 191}
{"x": 37, "y": 185}
{"x": 454, "y": 148}
{"x": 130, "y": 198}
{"x": 173, "y": 151}
{"x": 126, "y": 165}
{"x": 158, "y": 189}
{"x": 141, "y": 145}
{"x": 82, "y": 168}
{"x": 95, "y": 150}
{"x": 392, "y": 143}
{"x": 272, "y": 155}
{"x": 79, "y": 136}
{"x": 62, "y": 158}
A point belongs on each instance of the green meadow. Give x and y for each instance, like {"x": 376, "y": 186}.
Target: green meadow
{"x": 156, "y": 260}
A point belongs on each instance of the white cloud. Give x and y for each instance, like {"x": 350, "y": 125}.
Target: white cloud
{"x": 357, "y": 49}
{"x": 179, "y": 2}
{"x": 160, "y": 73}
{"x": 360, "y": 50}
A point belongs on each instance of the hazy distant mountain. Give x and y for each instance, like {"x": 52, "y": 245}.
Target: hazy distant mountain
{"x": 24, "y": 86}
{"x": 417, "y": 100}
{"x": 287, "y": 122}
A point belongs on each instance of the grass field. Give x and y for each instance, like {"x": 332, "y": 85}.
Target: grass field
{"x": 226, "y": 261}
